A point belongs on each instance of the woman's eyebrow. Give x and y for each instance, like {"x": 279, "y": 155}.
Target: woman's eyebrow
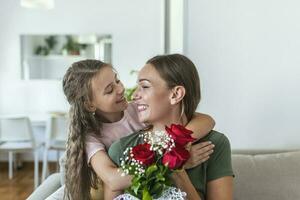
{"x": 144, "y": 79}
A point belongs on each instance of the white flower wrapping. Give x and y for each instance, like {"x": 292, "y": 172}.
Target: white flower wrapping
{"x": 171, "y": 193}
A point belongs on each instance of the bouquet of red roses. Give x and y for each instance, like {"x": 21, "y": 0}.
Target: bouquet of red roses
{"x": 152, "y": 162}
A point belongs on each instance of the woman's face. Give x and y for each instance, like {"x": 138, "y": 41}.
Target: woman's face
{"x": 152, "y": 96}
{"x": 108, "y": 93}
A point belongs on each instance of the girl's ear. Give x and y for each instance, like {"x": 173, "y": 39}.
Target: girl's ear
{"x": 177, "y": 94}
{"x": 89, "y": 106}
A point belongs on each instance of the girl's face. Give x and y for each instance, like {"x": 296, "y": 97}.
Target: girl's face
{"x": 108, "y": 94}
{"x": 152, "y": 96}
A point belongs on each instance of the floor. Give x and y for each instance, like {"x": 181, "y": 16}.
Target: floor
{"x": 21, "y": 186}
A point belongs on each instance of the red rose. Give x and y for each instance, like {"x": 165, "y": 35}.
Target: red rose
{"x": 143, "y": 154}
{"x": 180, "y": 134}
{"x": 176, "y": 158}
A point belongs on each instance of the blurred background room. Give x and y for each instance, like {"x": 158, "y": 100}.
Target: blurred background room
{"x": 246, "y": 53}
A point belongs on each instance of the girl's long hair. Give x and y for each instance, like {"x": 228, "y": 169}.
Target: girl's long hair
{"x": 77, "y": 89}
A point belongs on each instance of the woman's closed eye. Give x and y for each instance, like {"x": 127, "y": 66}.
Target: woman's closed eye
{"x": 144, "y": 86}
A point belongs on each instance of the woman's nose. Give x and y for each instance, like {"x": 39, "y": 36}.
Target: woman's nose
{"x": 135, "y": 95}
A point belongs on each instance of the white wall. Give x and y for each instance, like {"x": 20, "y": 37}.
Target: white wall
{"x": 176, "y": 26}
{"x": 136, "y": 30}
{"x": 136, "y": 27}
{"x": 247, "y": 54}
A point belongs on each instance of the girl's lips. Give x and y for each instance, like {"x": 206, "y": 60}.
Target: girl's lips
{"x": 121, "y": 100}
{"x": 141, "y": 107}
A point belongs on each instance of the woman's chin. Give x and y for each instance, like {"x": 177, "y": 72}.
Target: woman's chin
{"x": 143, "y": 118}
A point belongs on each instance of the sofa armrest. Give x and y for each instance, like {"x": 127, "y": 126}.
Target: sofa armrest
{"x": 62, "y": 163}
{"x": 50, "y": 185}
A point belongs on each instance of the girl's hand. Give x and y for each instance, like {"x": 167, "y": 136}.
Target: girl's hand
{"x": 183, "y": 182}
{"x": 199, "y": 153}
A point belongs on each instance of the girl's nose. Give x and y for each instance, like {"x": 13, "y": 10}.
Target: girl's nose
{"x": 121, "y": 88}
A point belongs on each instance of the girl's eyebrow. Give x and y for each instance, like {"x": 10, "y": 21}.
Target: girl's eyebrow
{"x": 111, "y": 82}
{"x": 108, "y": 86}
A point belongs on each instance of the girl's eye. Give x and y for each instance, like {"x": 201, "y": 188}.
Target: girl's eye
{"x": 144, "y": 86}
{"x": 109, "y": 92}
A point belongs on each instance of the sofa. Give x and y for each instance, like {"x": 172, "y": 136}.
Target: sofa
{"x": 259, "y": 175}
{"x": 266, "y": 175}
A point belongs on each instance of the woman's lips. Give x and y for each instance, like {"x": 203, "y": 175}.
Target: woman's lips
{"x": 141, "y": 107}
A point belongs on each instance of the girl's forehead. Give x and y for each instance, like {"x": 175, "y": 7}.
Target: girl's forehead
{"x": 106, "y": 73}
{"x": 105, "y": 76}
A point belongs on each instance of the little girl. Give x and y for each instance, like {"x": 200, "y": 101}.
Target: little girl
{"x": 99, "y": 115}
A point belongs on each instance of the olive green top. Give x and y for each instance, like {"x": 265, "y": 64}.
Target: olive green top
{"x": 218, "y": 165}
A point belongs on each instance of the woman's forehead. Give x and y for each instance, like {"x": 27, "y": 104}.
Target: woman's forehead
{"x": 149, "y": 73}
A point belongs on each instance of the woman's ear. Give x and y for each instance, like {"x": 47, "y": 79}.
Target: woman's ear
{"x": 177, "y": 94}
{"x": 89, "y": 106}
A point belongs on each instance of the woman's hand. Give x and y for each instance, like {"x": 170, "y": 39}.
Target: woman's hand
{"x": 199, "y": 153}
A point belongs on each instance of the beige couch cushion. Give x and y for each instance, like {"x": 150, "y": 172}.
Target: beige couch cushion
{"x": 267, "y": 177}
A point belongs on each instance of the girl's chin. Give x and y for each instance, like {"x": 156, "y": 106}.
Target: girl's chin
{"x": 123, "y": 105}
{"x": 126, "y": 104}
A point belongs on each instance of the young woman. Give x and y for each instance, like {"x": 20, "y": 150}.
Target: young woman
{"x": 169, "y": 92}
{"x": 100, "y": 115}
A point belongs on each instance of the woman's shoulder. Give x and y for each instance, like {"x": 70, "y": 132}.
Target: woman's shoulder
{"x": 132, "y": 139}
{"x": 216, "y": 138}
{"x": 116, "y": 150}
{"x": 128, "y": 140}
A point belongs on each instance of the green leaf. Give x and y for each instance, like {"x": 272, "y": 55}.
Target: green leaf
{"x": 146, "y": 195}
{"x": 160, "y": 177}
{"x": 136, "y": 179}
{"x": 129, "y": 92}
{"x": 135, "y": 188}
{"x": 151, "y": 169}
{"x": 157, "y": 189}
{"x": 137, "y": 183}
